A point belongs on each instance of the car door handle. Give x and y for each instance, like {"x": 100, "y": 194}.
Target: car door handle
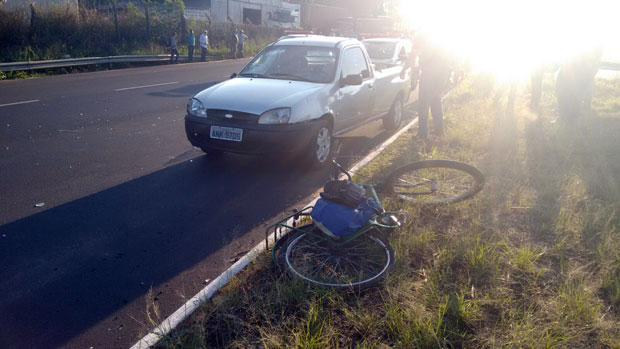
{"x": 371, "y": 85}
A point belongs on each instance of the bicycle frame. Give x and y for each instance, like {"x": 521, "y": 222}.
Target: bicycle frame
{"x": 283, "y": 227}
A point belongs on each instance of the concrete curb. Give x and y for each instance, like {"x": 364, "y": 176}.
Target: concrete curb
{"x": 171, "y": 322}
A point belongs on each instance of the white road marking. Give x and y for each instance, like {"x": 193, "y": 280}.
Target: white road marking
{"x": 145, "y": 86}
{"x": 24, "y": 102}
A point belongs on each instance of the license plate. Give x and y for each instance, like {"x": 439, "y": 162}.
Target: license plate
{"x": 227, "y": 133}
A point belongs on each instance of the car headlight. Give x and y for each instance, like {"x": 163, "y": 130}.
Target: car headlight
{"x": 275, "y": 116}
{"x": 196, "y": 108}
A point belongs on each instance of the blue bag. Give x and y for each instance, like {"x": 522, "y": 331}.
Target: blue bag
{"x": 338, "y": 220}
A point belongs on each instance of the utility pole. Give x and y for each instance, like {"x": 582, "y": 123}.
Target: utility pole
{"x": 118, "y": 34}
{"x": 147, "y": 20}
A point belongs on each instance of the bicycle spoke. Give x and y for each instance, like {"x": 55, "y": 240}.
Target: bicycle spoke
{"x": 362, "y": 267}
{"x": 433, "y": 184}
{"x": 356, "y": 262}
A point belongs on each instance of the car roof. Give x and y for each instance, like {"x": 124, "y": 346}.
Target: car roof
{"x": 383, "y": 40}
{"x": 314, "y": 40}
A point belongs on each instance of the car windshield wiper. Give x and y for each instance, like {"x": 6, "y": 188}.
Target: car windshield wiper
{"x": 290, "y": 76}
{"x": 254, "y": 75}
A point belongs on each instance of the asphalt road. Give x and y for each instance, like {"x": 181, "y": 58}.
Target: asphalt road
{"x": 131, "y": 214}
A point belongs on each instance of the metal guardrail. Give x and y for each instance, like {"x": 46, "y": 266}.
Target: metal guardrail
{"x": 72, "y": 62}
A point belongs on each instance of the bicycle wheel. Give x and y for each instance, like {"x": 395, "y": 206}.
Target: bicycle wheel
{"x": 362, "y": 263}
{"x": 434, "y": 182}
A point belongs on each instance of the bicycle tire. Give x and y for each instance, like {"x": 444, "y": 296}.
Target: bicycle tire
{"x": 399, "y": 182}
{"x": 314, "y": 261}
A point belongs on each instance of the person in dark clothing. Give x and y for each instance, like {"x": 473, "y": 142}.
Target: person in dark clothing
{"x": 234, "y": 41}
{"x": 575, "y": 85}
{"x": 172, "y": 45}
{"x": 435, "y": 70}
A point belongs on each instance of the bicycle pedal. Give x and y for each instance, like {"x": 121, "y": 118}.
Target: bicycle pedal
{"x": 390, "y": 220}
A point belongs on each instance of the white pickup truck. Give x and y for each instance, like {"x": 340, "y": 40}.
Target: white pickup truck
{"x": 296, "y": 95}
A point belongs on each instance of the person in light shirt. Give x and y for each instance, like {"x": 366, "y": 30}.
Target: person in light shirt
{"x": 242, "y": 38}
{"x": 204, "y": 43}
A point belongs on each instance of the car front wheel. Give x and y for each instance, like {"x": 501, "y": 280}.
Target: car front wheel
{"x": 320, "y": 150}
{"x": 393, "y": 119}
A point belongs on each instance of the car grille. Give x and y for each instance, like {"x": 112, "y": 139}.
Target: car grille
{"x": 237, "y": 116}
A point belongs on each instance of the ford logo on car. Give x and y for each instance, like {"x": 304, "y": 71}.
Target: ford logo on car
{"x": 228, "y": 116}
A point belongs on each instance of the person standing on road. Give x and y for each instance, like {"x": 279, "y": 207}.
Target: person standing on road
{"x": 204, "y": 43}
{"x": 191, "y": 42}
{"x": 172, "y": 45}
{"x": 435, "y": 70}
{"x": 242, "y": 37}
{"x": 234, "y": 41}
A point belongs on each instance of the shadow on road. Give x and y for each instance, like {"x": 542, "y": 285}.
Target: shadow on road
{"x": 66, "y": 269}
{"x": 184, "y": 91}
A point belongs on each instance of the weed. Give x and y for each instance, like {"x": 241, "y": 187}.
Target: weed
{"x": 532, "y": 261}
{"x": 576, "y": 304}
{"x": 312, "y": 334}
{"x": 611, "y": 287}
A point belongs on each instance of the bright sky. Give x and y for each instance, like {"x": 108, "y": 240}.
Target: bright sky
{"x": 509, "y": 37}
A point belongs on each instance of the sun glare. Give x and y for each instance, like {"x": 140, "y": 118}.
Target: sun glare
{"x": 510, "y": 38}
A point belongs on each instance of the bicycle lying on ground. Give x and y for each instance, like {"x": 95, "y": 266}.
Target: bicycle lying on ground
{"x": 364, "y": 257}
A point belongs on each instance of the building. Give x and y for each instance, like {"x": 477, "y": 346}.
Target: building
{"x": 273, "y": 13}
{"x": 328, "y": 14}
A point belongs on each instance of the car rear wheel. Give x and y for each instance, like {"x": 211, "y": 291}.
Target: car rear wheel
{"x": 393, "y": 119}
{"x": 320, "y": 150}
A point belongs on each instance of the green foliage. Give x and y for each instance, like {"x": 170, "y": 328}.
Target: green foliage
{"x": 409, "y": 329}
{"x": 55, "y": 31}
{"x": 606, "y": 100}
{"x": 611, "y": 286}
{"x": 311, "y": 335}
{"x": 576, "y": 304}
{"x": 531, "y": 262}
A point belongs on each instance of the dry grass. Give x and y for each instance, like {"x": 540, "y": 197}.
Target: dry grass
{"x": 532, "y": 261}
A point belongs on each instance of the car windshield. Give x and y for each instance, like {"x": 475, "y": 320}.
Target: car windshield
{"x": 380, "y": 50}
{"x": 289, "y": 62}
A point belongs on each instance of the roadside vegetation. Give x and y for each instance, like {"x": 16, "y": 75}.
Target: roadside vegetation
{"x": 54, "y": 31}
{"x": 532, "y": 261}
{"x": 96, "y": 30}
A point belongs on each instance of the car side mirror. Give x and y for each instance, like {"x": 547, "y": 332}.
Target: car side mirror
{"x": 233, "y": 75}
{"x": 351, "y": 80}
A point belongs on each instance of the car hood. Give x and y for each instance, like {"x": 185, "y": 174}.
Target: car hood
{"x": 256, "y": 96}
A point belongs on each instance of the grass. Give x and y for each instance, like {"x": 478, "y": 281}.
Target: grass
{"x": 250, "y": 49}
{"x": 531, "y": 261}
